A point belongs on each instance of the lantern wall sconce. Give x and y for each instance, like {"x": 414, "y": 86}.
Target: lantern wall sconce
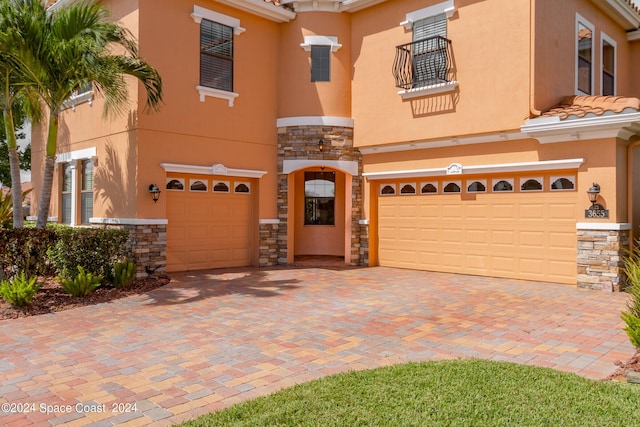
{"x": 321, "y": 145}
{"x": 155, "y": 192}
{"x": 596, "y": 210}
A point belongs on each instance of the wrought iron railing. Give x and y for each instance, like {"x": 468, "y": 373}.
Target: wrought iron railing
{"x": 423, "y": 63}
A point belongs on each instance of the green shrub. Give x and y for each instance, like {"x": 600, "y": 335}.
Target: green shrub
{"x": 123, "y": 273}
{"x": 82, "y": 284}
{"x": 25, "y": 249}
{"x": 19, "y": 290}
{"x": 632, "y": 316}
{"x": 94, "y": 249}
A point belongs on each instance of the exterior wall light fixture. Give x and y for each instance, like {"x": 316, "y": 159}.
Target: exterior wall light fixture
{"x": 321, "y": 145}
{"x": 155, "y": 192}
{"x": 596, "y": 210}
{"x": 593, "y": 193}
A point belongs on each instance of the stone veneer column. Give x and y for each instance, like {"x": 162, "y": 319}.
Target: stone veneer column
{"x": 300, "y": 142}
{"x": 147, "y": 243}
{"x": 601, "y": 252}
{"x": 268, "y": 252}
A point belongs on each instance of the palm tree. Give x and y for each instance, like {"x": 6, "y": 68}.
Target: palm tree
{"x": 67, "y": 49}
{"x": 14, "y": 95}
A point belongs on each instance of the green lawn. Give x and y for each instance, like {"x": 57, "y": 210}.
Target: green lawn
{"x": 443, "y": 393}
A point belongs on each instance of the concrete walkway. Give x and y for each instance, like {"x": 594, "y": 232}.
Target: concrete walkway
{"x": 211, "y": 339}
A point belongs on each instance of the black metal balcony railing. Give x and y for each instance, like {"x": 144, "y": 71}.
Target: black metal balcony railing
{"x": 423, "y": 63}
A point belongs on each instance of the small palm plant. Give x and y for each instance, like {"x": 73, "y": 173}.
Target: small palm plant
{"x": 82, "y": 284}
{"x": 632, "y": 315}
{"x": 20, "y": 290}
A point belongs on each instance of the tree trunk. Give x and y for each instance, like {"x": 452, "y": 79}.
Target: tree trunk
{"x": 14, "y": 165}
{"x": 49, "y": 167}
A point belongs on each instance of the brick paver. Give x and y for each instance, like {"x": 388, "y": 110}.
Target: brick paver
{"x": 210, "y": 339}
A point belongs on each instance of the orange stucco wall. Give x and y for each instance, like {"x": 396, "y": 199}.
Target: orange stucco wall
{"x": 489, "y": 97}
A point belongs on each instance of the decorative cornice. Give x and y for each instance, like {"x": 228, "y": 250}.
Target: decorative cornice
{"x": 263, "y": 9}
{"x": 330, "y": 5}
{"x": 445, "y": 142}
{"x": 320, "y": 41}
{"x": 622, "y": 12}
{"x": 475, "y": 169}
{"x": 204, "y": 91}
{"x": 216, "y": 169}
{"x": 553, "y": 129}
{"x": 428, "y": 90}
{"x": 268, "y": 221}
{"x": 314, "y": 121}
{"x": 602, "y": 226}
{"x": 350, "y": 167}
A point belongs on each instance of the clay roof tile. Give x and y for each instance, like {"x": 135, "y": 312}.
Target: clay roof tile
{"x": 580, "y": 106}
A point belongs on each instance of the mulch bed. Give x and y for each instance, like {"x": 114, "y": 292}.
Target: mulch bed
{"x": 51, "y": 298}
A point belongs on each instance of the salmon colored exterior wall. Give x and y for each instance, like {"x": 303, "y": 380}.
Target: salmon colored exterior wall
{"x": 512, "y": 59}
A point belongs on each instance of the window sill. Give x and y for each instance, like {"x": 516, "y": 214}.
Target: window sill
{"x": 216, "y": 93}
{"x": 428, "y": 90}
{"x": 74, "y": 100}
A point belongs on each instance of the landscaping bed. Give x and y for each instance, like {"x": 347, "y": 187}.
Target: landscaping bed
{"x": 51, "y": 298}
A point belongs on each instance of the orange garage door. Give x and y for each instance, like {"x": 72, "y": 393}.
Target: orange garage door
{"x": 516, "y": 235}
{"x": 208, "y": 230}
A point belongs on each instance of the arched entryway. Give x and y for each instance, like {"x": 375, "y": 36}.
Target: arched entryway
{"x": 319, "y": 213}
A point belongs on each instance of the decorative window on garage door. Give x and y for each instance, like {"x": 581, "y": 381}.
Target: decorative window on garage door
{"x": 388, "y": 189}
{"x": 242, "y": 188}
{"x": 221, "y": 187}
{"x": 559, "y": 183}
{"x": 503, "y": 184}
{"x": 408, "y": 189}
{"x": 531, "y": 184}
{"x": 429, "y": 188}
{"x": 175, "y": 184}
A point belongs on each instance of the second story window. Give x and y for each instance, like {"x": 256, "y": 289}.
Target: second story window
{"x": 216, "y": 55}
{"x": 608, "y": 55}
{"x": 584, "y": 60}
{"x": 430, "y": 50}
{"x": 320, "y": 63}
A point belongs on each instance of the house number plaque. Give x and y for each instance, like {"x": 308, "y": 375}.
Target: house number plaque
{"x": 596, "y": 211}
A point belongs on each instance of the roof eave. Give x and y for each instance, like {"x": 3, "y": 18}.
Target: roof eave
{"x": 622, "y": 12}
{"x": 262, "y": 9}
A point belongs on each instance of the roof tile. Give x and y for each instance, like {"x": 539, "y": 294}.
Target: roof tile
{"x": 580, "y": 106}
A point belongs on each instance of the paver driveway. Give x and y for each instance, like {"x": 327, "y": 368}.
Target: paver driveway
{"x": 210, "y": 339}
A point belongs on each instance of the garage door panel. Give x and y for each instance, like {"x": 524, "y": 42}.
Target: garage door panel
{"x": 208, "y": 230}
{"x": 532, "y": 236}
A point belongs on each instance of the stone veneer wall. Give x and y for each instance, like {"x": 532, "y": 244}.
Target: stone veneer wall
{"x": 268, "y": 253}
{"x": 147, "y": 245}
{"x": 601, "y": 259}
{"x": 301, "y": 143}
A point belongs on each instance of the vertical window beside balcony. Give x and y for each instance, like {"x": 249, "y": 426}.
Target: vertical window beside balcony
{"x": 216, "y": 55}
{"x": 430, "y": 50}
{"x": 319, "y": 198}
{"x": 67, "y": 187}
{"x": 320, "y": 63}
{"x": 86, "y": 195}
{"x": 585, "y": 57}
{"x": 608, "y": 68}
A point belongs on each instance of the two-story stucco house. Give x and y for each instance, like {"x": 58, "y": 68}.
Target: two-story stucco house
{"x": 458, "y": 136}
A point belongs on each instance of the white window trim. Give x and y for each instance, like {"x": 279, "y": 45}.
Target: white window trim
{"x": 320, "y": 41}
{"x": 605, "y": 38}
{"x": 581, "y": 20}
{"x": 74, "y": 158}
{"x": 471, "y": 181}
{"x": 494, "y": 181}
{"x": 434, "y": 183}
{"x": 180, "y": 180}
{"x": 446, "y": 7}
{"x": 383, "y": 186}
{"x": 198, "y": 14}
{"x": 524, "y": 179}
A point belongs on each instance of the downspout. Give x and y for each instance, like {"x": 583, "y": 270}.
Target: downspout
{"x": 533, "y": 111}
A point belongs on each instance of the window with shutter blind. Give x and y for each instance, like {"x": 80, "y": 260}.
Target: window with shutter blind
{"x": 320, "y": 63}
{"x": 216, "y": 55}
{"x": 429, "y": 50}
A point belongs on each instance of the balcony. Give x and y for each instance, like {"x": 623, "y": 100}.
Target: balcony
{"x": 424, "y": 67}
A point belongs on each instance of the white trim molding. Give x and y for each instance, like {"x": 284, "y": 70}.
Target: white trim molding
{"x": 350, "y": 167}
{"x": 263, "y": 9}
{"x": 603, "y": 226}
{"x": 86, "y": 153}
{"x": 622, "y": 13}
{"x": 363, "y": 222}
{"x": 436, "y": 89}
{"x": 215, "y": 169}
{"x": 204, "y": 91}
{"x": 447, "y": 7}
{"x": 268, "y": 221}
{"x": 445, "y": 142}
{"x": 320, "y": 41}
{"x": 580, "y": 20}
{"x": 129, "y": 221}
{"x": 200, "y": 13}
{"x": 346, "y": 122}
{"x": 477, "y": 169}
{"x": 605, "y": 38}
{"x": 608, "y": 125}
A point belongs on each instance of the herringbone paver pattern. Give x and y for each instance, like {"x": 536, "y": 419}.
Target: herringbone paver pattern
{"x": 210, "y": 339}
